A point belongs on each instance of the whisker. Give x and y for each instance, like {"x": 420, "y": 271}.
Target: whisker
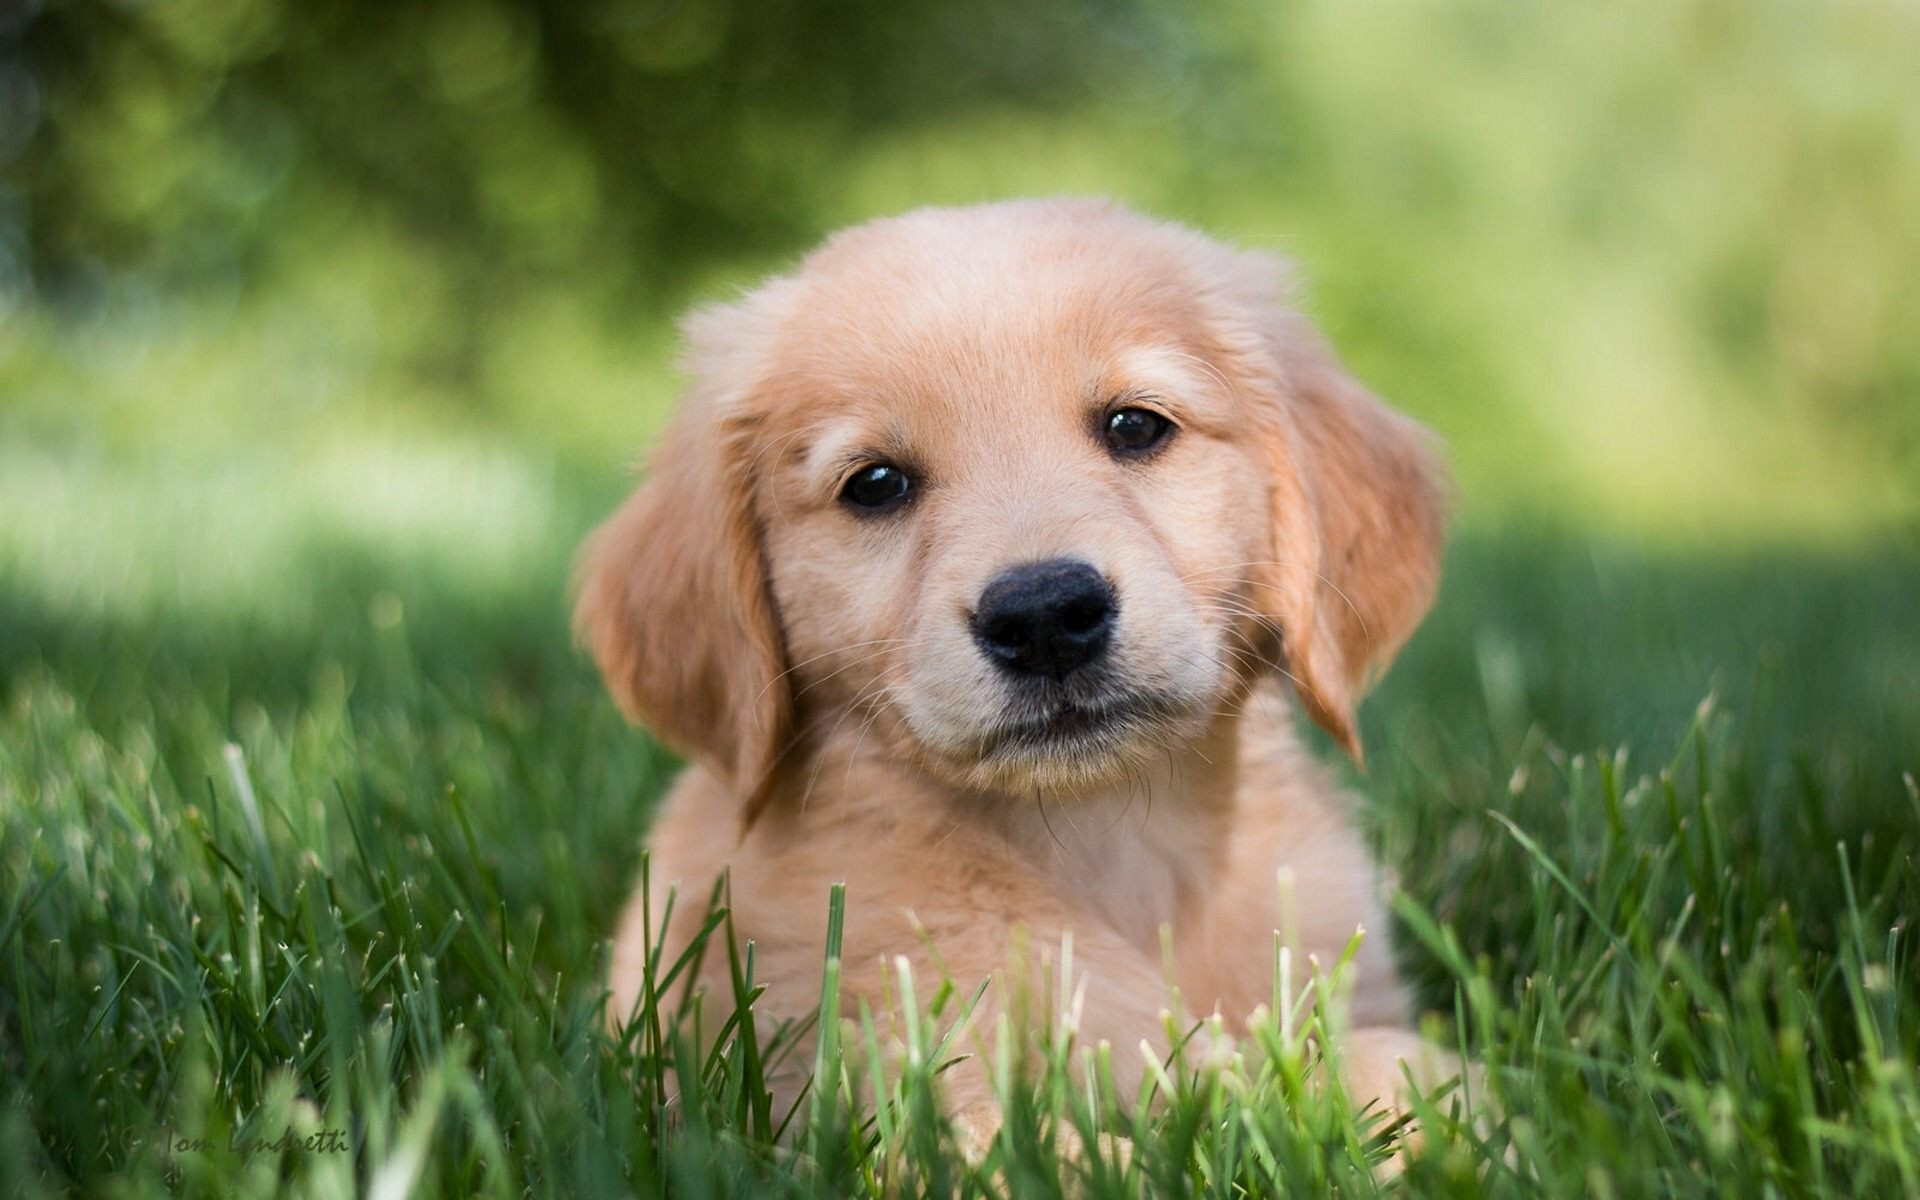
{"x": 826, "y": 654}
{"x": 866, "y": 658}
{"x": 1210, "y": 369}
{"x": 873, "y": 685}
{"x": 1040, "y": 801}
{"x": 1218, "y": 571}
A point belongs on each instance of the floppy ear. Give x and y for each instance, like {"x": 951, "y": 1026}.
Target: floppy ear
{"x": 1357, "y": 520}
{"x": 673, "y": 601}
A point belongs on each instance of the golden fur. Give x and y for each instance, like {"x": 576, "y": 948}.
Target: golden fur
{"x": 816, "y": 667}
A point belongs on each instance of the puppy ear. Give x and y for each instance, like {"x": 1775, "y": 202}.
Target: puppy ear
{"x": 1358, "y": 520}
{"x": 673, "y": 599}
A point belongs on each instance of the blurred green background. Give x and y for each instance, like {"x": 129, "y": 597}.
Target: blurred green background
{"x": 281, "y": 283}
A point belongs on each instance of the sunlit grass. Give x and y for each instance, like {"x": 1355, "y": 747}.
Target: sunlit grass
{"x": 252, "y": 533}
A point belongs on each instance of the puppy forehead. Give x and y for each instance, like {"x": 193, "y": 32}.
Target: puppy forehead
{"x": 943, "y": 365}
{"x": 996, "y": 279}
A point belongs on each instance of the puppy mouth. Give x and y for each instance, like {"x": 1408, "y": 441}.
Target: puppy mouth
{"x": 1078, "y": 727}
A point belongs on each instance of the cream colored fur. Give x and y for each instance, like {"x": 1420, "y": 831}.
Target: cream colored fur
{"x": 815, "y": 664}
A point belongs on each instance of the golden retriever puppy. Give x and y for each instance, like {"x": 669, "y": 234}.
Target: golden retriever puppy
{"x": 976, "y": 571}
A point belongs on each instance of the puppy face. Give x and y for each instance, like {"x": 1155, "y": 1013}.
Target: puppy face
{"x": 1008, "y": 511}
{"x": 1022, "y": 494}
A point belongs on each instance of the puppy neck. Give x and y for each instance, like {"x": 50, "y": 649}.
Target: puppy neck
{"x": 1134, "y": 853}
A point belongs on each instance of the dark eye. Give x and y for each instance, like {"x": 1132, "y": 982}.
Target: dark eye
{"x": 1135, "y": 430}
{"x": 877, "y": 486}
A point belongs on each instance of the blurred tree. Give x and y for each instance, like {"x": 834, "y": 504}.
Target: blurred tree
{"x": 623, "y": 138}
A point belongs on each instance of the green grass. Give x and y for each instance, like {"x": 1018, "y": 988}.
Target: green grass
{"x": 1659, "y": 853}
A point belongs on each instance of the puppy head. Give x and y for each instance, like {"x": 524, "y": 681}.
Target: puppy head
{"x": 1023, "y": 494}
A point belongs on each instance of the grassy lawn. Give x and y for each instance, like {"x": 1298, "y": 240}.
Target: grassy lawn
{"x": 350, "y": 868}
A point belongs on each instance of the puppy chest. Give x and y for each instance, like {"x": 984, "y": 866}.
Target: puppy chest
{"x": 1128, "y": 876}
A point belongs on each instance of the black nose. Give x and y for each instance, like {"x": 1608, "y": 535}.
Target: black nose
{"x": 1045, "y": 618}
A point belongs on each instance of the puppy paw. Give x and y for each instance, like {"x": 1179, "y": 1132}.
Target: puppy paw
{"x": 974, "y": 1129}
{"x": 977, "y": 1126}
{"x": 1384, "y": 1068}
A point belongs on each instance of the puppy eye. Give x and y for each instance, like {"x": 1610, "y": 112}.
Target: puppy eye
{"x": 878, "y": 486}
{"x": 1131, "y": 431}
